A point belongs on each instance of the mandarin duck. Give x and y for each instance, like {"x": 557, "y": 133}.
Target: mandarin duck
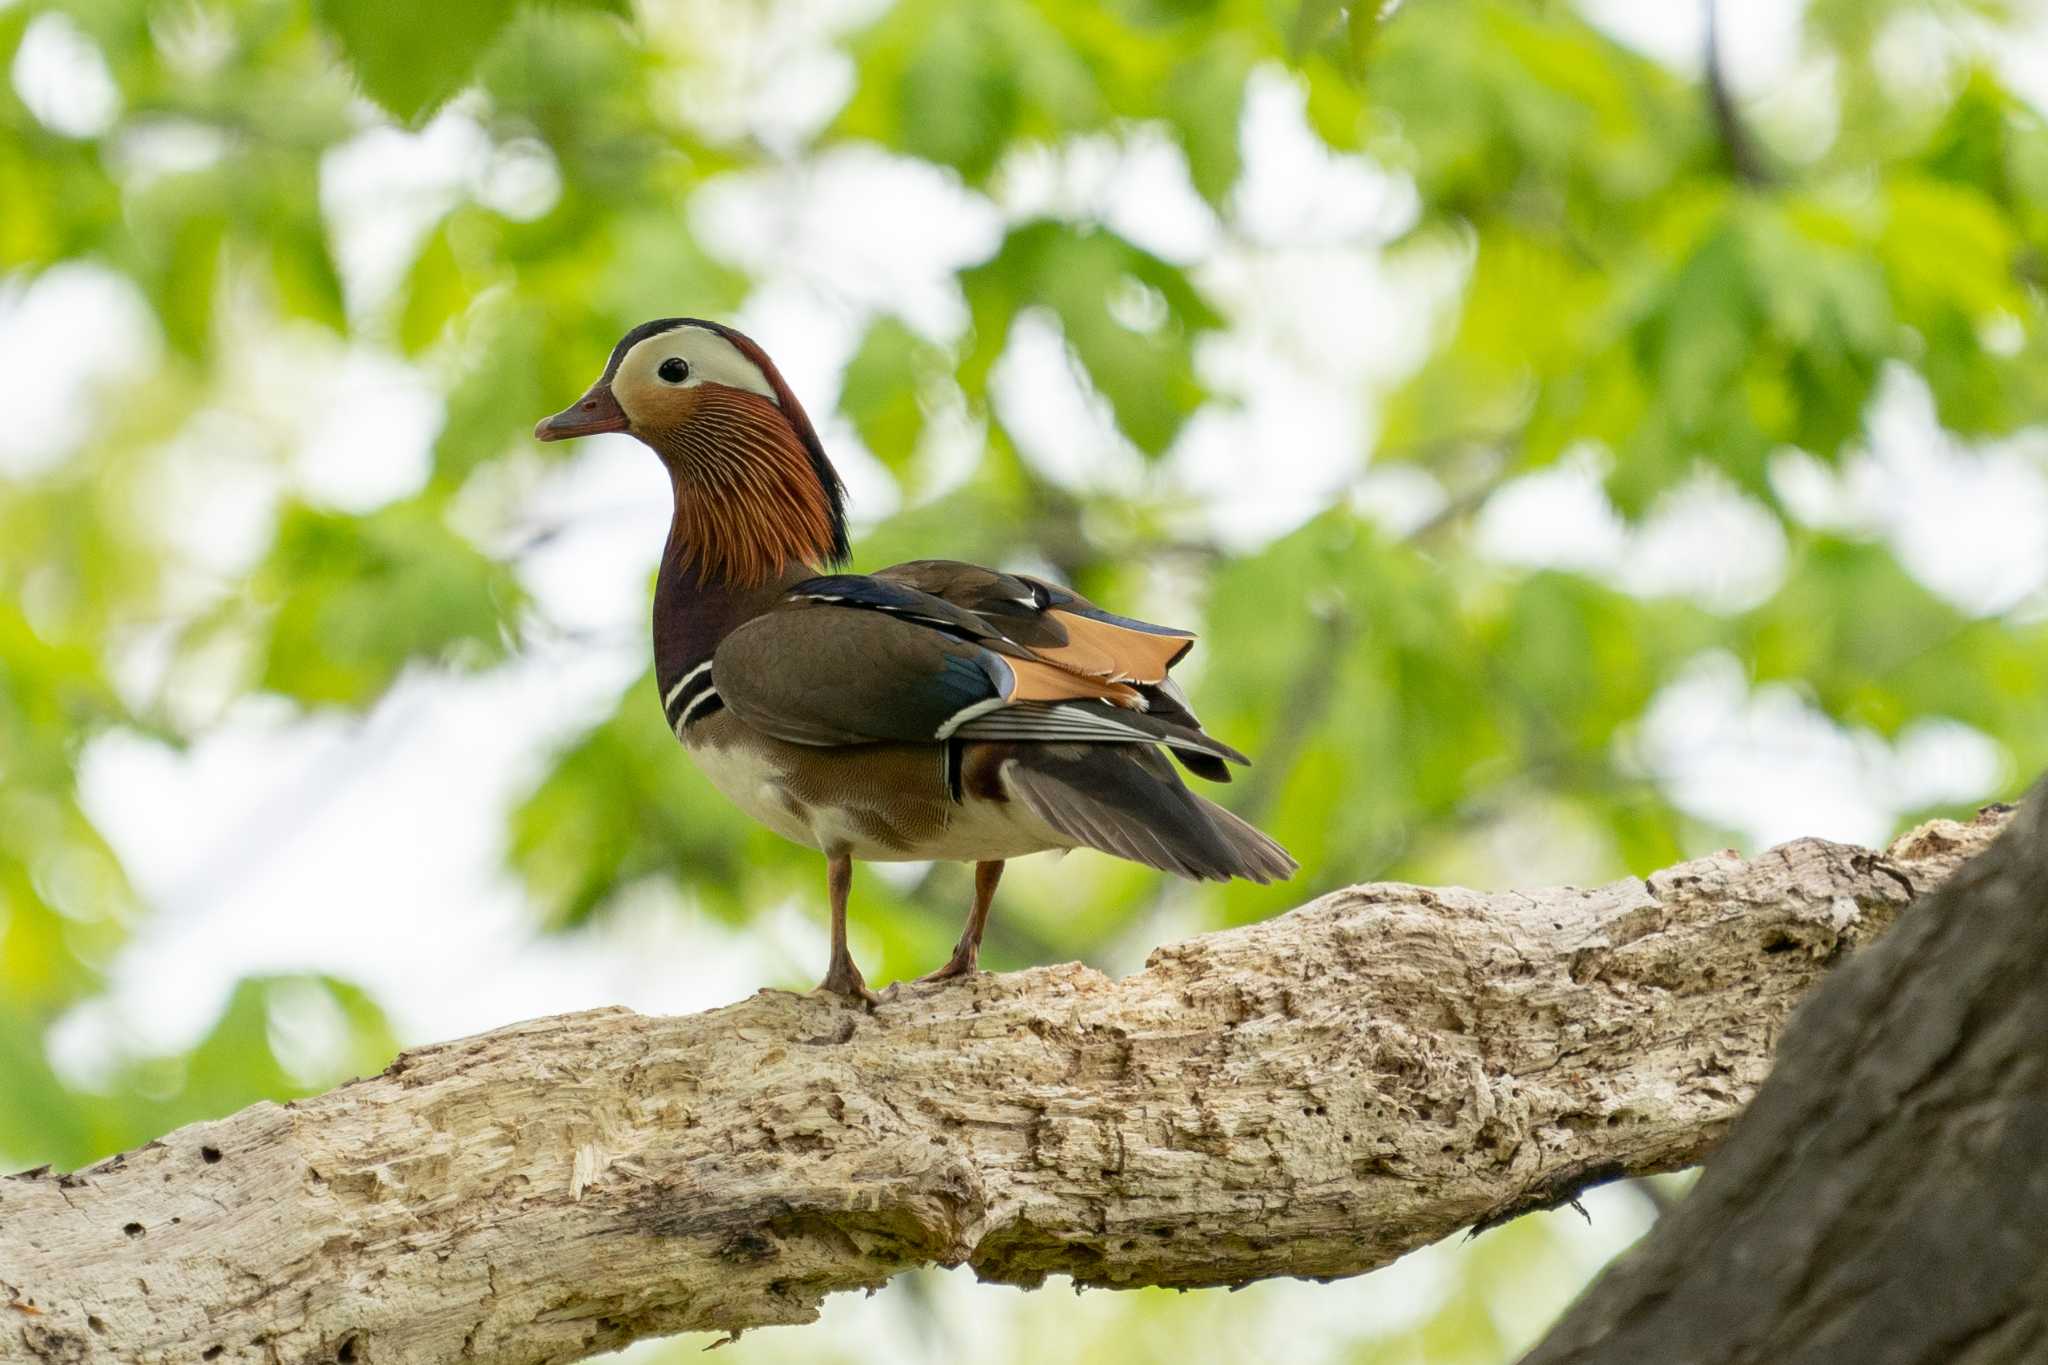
{"x": 932, "y": 710}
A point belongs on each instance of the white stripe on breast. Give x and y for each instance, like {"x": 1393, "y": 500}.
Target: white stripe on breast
{"x": 694, "y": 709}
{"x": 681, "y": 683}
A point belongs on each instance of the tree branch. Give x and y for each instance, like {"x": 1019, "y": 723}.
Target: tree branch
{"x": 1883, "y": 1200}
{"x": 1743, "y": 157}
{"x": 1311, "y": 1096}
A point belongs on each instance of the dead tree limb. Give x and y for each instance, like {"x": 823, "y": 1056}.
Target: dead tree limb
{"x": 1310, "y": 1096}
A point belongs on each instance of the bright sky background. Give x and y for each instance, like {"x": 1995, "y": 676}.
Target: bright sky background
{"x": 373, "y": 848}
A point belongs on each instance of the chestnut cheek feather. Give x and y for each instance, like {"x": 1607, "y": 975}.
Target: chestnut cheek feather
{"x": 665, "y": 408}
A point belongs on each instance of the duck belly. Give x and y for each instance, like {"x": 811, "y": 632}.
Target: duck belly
{"x": 877, "y": 802}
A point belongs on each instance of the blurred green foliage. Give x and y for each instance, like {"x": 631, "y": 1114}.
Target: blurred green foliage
{"x": 348, "y": 601}
{"x": 1626, "y": 289}
{"x": 1148, "y": 377}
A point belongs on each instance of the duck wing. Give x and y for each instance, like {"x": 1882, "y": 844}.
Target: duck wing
{"x": 860, "y": 658}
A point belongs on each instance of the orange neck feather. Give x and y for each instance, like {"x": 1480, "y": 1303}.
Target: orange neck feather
{"x": 748, "y": 503}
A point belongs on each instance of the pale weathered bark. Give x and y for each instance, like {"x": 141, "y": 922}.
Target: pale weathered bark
{"x": 1310, "y": 1096}
{"x": 1885, "y": 1200}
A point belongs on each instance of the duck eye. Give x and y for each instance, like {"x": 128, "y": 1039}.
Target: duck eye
{"x": 675, "y": 369}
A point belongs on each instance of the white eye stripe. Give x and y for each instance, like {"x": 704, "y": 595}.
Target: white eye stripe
{"x": 710, "y": 357}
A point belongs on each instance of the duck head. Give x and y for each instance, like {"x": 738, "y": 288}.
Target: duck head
{"x": 754, "y": 493}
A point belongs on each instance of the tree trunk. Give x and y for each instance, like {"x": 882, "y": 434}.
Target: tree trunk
{"x": 1886, "y": 1197}
{"x": 1310, "y": 1096}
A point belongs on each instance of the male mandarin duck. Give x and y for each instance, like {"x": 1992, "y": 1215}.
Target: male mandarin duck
{"x": 931, "y": 710}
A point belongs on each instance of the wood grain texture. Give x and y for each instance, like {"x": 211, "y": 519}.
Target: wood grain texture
{"x": 1310, "y": 1096}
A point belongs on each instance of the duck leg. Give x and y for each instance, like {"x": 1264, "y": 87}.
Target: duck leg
{"x": 842, "y": 977}
{"x": 967, "y": 953}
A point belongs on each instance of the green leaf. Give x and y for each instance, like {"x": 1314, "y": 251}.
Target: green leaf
{"x": 957, "y": 84}
{"x": 622, "y": 803}
{"x": 352, "y": 600}
{"x": 308, "y": 285}
{"x": 1148, "y": 375}
{"x": 883, "y": 390}
{"x": 1313, "y": 21}
{"x": 436, "y": 293}
{"x": 581, "y": 83}
{"x": 1362, "y": 31}
{"x": 1491, "y": 100}
{"x": 1204, "y": 101}
{"x": 42, "y": 1121}
{"x": 1948, "y": 246}
{"x": 180, "y": 235}
{"x": 238, "y": 1062}
{"x": 498, "y": 387}
{"x": 1875, "y": 648}
{"x": 411, "y": 57}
